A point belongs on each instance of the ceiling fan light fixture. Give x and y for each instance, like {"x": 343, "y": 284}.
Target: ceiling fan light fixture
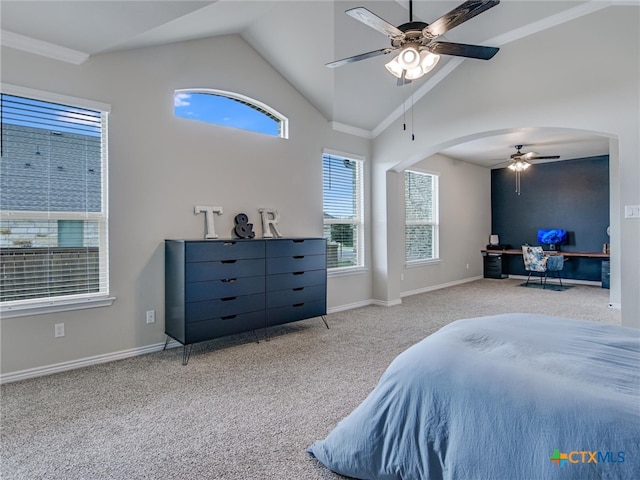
{"x": 427, "y": 61}
{"x": 519, "y": 165}
{"x": 409, "y": 57}
{"x": 394, "y": 68}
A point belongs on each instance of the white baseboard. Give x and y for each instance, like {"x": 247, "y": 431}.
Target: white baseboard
{"x": 438, "y": 287}
{"x": 385, "y": 303}
{"x": 83, "y": 362}
{"x": 398, "y": 301}
{"x": 349, "y": 306}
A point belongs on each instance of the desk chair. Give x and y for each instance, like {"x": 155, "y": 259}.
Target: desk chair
{"x": 535, "y": 260}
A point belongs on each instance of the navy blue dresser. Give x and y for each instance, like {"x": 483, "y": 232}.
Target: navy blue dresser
{"x": 215, "y": 288}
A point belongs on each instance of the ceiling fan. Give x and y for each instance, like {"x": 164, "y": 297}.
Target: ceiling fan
{"x": 419, "y": 53}
{"x": 530, "y": 155}
{"x": 519, "y": 162}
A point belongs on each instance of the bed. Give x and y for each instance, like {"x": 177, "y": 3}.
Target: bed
{"x": 514, "y": 396}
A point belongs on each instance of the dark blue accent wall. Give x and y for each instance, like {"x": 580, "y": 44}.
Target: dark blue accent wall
{"x": 572, "y": 194}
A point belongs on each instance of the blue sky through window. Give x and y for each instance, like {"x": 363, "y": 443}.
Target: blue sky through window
{"x": 221, "y": 110}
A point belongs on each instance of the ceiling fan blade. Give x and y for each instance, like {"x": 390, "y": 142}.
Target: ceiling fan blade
{"x": 458, "y": 15}
{"x": 524, "y": 156}
{"x": 463, "y": 50}
{"x": 362, "y": 56}
{"x": 372, "y": 20}
{"x": 551, "y": 157}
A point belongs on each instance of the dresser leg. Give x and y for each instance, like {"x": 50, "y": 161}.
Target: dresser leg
{"x": 166, "y": 342}
{"x": 324, "y": 319}
{"x": 186, "y": 353}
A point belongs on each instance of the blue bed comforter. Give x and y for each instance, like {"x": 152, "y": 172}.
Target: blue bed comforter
{"x": 517, "y": 397}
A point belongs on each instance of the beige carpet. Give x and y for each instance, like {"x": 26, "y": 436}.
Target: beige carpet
{"x": 240, "y": 409}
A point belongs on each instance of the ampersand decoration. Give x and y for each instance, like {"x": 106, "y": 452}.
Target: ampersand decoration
{"x": 243, "y": 229}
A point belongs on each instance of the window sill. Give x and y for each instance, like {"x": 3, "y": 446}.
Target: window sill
{"x": 53, "y": 306}
{"x": 422, "y": 263}
{"x": 341, "y": 272}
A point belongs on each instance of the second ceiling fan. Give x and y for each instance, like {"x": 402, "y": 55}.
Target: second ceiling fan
{"x": 419, "y": 52}
{"x": 519, "y": 162}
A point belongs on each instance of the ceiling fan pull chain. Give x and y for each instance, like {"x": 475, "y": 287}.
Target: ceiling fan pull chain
{"x": 413, "y": 123}
{"x": 404, "y": 105}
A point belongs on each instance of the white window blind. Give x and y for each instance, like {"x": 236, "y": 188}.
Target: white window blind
{"x": 421, "y": 216}
{"x": 343, "y": 211}
{"x": 53, "y": 207}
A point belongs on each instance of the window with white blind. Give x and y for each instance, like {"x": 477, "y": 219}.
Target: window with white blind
{"x": 53, "y": 203}
{"x": 421, "y": 216}
{"x": 343, "y": 211}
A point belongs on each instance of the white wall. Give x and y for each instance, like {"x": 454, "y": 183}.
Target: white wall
{"x": 161, "y": 166}
{"x": 566, "y": 77}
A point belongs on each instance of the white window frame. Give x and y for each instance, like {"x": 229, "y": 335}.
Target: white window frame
{"x": 435, "y": 222}
{"x": 103, "y": 298}
{"x": 359, "y": 223}
{"x": 251, "y": 102}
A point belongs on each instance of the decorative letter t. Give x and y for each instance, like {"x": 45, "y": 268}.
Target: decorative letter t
{"x": 209, "y": 211}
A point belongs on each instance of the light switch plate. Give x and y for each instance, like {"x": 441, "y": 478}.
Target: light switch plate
{"x": 632, "y": 211}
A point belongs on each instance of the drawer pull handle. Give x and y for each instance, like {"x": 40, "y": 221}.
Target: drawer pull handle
{"x": 298, "y": 241}
{"x": 299, "y": 289}
{"x": 228, "y": 299}
{"x": 227, "y": 244}
{"x": 229, "y": 261}
{"x": 298, "y": 304}
{"x": 298, "y": 273}
{"x": 228, "y": 280}
{"x": 297, "y": 257}
{"x": 229, "y": 317}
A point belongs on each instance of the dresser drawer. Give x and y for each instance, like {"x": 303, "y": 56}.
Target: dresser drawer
{"x": 292, "y": 246}
{"x": 297, "y": 263}
{"x": 284, "y": 281}
{"x": 227, "y": 287}
{"x": 202, "y": 271}
{"x": 226, "y": 325}
{"x": 223, "y": 250}
{"x": 222, "y": 307}
{"x": 298, "y": 311}
{"x": 296, "y": 295}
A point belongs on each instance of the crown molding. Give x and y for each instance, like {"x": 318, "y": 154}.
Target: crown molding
{"x": 45, "y": 49}
{"x": 358, "y": 132}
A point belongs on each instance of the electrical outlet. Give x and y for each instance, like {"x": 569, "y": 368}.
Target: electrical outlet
{"x": 58, "y": 330}
{"x": 151, "y": 316}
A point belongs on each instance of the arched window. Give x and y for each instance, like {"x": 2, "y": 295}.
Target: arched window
{"x": 231, "y": 110}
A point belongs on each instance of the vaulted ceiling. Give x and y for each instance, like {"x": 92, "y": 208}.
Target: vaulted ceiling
{"x": 297, "y": 37}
